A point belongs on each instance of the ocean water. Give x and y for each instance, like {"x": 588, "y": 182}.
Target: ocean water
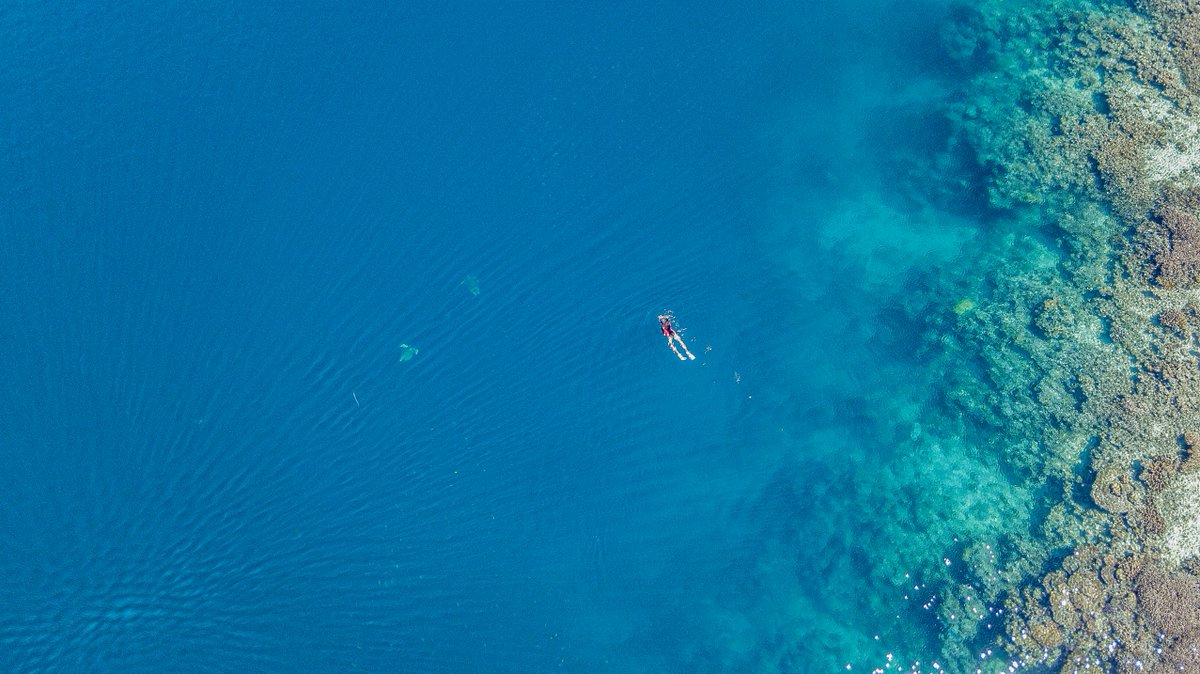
{"x": 329, "y": 337}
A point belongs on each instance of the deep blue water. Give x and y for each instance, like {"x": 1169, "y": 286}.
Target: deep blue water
{"x": 220, "y": 224}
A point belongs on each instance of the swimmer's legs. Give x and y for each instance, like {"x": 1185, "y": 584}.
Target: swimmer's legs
{"x": 672, "y": 345}
{"x": 685, "y": 349}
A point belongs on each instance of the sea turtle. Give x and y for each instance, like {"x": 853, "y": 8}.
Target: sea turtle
{"x": 408, "y": 352}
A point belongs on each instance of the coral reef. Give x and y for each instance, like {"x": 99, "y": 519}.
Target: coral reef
{"x": 1170, "y": 240}
{"x": 1181, "y": 27}
{"x": 1070, "y": 369}
{"x": 1087, "y": 118}
{"x": 1109, "y": 612}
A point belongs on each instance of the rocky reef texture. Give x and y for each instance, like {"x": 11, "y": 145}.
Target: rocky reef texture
{"x": 1087, "y": 119}
{"x": 1110, "y": 612}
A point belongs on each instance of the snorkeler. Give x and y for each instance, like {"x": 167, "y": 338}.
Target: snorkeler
{"x": 664, "y": 322}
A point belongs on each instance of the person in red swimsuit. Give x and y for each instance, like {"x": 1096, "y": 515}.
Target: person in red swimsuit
{"x": 668, "y": 330}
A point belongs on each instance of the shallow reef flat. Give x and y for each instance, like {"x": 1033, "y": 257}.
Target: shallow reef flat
{"x": 1087, "y": 119}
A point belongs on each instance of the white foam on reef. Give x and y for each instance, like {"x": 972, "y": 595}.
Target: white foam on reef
{"x": 1180, "y": 507}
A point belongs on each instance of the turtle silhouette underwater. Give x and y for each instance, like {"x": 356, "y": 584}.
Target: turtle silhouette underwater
{"x": 407, "y": 353}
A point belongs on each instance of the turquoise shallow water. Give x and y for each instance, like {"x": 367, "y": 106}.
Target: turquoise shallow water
{"x": 224, "y": 229}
